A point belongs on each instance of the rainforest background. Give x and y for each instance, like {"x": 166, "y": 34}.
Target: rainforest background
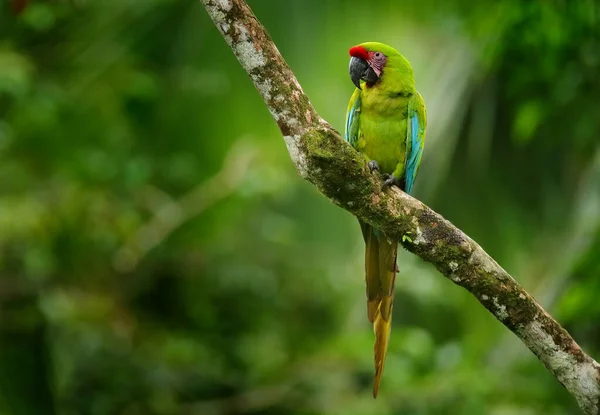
{"x": 160, "y": 255}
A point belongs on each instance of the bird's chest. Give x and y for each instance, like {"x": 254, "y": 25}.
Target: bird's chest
{"x": 383, "y": 131}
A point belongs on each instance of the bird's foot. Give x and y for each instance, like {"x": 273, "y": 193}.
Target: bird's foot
{"x": 391, "y": 180}
{"x": 373, "y": 165}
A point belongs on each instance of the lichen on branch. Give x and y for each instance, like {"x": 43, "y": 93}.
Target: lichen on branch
{"x": 340, "y": 173}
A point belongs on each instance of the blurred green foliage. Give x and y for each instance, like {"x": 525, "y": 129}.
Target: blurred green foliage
{"x": 159, "y": 254}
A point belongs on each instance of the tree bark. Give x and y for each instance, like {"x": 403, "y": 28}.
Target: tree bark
{"x": 340, "y": 173}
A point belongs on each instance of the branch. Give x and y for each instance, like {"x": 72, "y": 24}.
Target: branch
{"x": 340, "y": 173}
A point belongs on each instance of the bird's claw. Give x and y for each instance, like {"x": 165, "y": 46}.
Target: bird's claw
{"x": 391, "y": 180}
{"x": 373, "y": 165}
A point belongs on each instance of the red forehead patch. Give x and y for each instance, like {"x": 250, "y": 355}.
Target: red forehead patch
{"x": 359, "y": 52}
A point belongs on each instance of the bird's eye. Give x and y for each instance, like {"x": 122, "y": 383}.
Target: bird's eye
{"x": 377, "y": 54}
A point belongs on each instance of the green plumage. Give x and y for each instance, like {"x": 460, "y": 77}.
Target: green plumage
{"x": 380, "y": 130}
{"x": 386, "y": 122}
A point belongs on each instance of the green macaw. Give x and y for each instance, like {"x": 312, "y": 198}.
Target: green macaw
{"x": 386, "y": 123}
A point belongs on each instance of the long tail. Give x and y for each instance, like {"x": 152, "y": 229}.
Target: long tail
{"x": 380, "y": 270}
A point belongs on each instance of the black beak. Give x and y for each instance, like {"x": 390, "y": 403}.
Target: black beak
{"x": 360, "y": 69}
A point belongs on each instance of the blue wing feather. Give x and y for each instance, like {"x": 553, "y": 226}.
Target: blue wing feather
{"x": 413, "y": 159}
{"x": 349, "y": 123}
{"x": 352, "y": 119}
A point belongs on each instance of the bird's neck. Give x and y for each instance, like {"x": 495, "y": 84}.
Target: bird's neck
{"x": 394, "y": 84}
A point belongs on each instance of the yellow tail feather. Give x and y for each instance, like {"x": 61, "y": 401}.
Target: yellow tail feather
{"x": 382, "y": 338}
{"x": 380, "y": 278}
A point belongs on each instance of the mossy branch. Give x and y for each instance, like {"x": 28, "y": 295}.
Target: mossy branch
{"x": 340, "y": 173}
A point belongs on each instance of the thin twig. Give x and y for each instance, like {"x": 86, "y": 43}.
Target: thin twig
{"x": 174, "y": 213}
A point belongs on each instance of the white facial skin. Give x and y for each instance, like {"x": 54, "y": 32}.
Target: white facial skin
{"x": 377, "y": 61}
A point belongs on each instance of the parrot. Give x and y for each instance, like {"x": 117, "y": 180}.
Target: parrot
{"x": 385, "y": 122}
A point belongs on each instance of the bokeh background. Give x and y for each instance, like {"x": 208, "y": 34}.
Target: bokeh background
{"x": 160, "y": 255}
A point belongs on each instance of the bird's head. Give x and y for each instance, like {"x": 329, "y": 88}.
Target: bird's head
{"x": 369, "y": 60}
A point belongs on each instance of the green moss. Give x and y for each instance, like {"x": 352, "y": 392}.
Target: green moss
{"x": 334, "y": 169}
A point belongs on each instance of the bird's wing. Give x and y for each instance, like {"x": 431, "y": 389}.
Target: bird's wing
{"x": 352, "y": 119}
{"x": 415, "y": 139}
